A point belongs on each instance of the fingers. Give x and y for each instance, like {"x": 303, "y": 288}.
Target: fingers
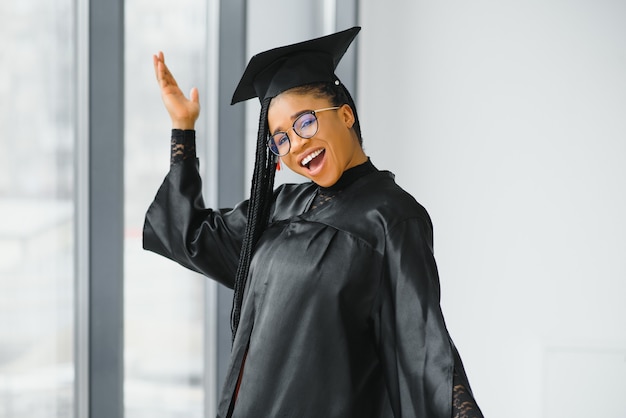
{"x": 163, "y": 75}
{"x": 156, "y": 60}
{"x": 155, "y": 63}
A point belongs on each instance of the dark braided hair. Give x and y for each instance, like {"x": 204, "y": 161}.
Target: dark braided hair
{"x": 262, "y": 187}
{"x": 258, "y": 211}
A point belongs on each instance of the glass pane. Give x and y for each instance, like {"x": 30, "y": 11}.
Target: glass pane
{"x": 37, "y": 122}
{"x": 164, "y": 305}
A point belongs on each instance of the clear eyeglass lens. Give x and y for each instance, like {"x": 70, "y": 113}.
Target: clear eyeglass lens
{"x": 279, "y": 144}
{"x": 306, "y": 125}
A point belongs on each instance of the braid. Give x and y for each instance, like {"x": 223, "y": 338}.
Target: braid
{"x": 258, "y": 212}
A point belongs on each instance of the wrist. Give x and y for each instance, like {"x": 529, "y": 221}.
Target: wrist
{"x": 183, "y": 145}
{"x": 183, "y": 125}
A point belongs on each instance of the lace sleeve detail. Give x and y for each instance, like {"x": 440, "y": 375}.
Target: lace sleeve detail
{"x": 183, "y": 145}
{"x": 463, "y": 403}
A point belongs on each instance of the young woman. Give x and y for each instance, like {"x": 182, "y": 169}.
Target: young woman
{"x": 336, "y": 310}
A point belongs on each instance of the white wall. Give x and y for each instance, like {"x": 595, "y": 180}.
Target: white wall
{"x": 507, "y": 120}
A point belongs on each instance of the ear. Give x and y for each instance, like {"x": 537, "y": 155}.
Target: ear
{"x": 347, "y": 115}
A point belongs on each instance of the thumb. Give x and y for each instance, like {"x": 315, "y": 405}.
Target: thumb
{"x": 194, "y": 95}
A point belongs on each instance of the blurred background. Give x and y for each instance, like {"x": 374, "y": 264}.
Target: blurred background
{"x": 506, "y": 120}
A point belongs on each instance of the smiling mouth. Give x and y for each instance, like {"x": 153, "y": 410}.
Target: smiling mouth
{"x": 306, "y": 161}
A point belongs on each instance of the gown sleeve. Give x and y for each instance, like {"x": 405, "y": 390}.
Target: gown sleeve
{"x": 179, "y": 226}
{"x": 417, "y": 355}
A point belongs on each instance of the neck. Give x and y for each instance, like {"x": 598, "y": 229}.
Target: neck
{"x": 352, "y": 174}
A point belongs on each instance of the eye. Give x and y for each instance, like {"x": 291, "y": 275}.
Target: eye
{"x": 282, "y": 139}
{"x": 305, "y": 121}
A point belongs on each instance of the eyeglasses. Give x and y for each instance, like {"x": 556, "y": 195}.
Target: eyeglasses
{"x": 305, "y": 126}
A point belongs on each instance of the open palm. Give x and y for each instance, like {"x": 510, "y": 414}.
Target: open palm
{"x": 183, "y": 112}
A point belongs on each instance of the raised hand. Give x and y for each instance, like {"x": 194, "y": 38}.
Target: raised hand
{"x": 183, "y": 112}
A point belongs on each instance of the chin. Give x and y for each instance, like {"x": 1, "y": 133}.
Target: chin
{"x": 326, "y": 182}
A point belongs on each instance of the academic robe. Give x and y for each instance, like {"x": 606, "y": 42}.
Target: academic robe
{"x": 341, "y": 314}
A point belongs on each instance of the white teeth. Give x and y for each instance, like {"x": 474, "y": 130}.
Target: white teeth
{"x": 309, "y": 157}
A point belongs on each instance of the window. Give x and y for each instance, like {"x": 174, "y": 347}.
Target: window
{"x": 37, "y": 118}
{"x": 164, "y": 303}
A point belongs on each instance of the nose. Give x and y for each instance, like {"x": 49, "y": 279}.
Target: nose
{"x": 297, "y": 142}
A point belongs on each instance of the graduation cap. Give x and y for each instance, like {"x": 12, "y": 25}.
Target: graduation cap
{"x": 272, "y": 72}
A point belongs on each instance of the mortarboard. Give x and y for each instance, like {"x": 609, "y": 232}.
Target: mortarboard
{"x": 271, "y": 72}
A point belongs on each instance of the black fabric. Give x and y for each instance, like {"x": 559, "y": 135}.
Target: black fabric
{"x": 341, "y": 314}
{"x": 272, "y": 72}
{"x": 183, "y": 145}
{"x": 463, "y": 403}
{"x": 326, "y": 194}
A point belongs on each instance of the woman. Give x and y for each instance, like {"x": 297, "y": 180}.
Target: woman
{"x": 336, "y": 309}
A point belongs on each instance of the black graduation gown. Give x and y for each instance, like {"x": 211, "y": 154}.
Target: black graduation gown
{"x": 341, "y": 314}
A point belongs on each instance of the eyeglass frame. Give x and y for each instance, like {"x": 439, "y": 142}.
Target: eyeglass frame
{"x": 293, "y": 128}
